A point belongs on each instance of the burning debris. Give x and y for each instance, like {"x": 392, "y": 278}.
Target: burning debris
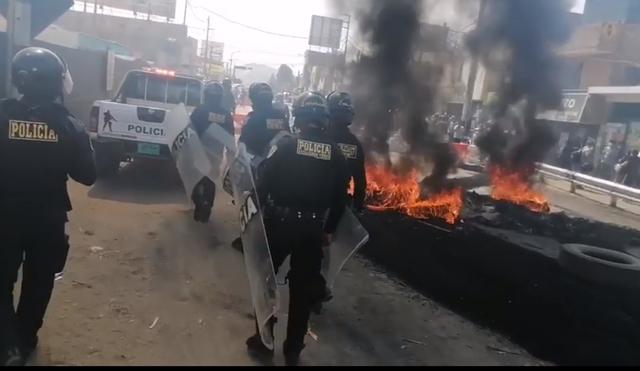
{"x": 518, "y": 37}
{"x": 515, "y": 187}
{"x": 401, "y": 192}
{"x": 393, "y": 94}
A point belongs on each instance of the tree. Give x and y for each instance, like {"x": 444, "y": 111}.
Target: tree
{"x": 285, "y": 79}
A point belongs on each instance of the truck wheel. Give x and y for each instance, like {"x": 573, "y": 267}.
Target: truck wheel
{"x": 601, "y": 265}
{"x": 107, "y": 162}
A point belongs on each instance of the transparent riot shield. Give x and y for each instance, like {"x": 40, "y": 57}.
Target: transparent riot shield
{"x": 215, "y": 140}
{"x": 349, "y": 237}
{"x": 257, "y": 257}
{"x": 188, "y": 153}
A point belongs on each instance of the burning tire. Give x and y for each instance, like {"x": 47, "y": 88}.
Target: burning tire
{"x": 601, "y": 265}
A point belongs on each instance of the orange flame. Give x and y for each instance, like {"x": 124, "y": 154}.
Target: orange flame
{"x": 514, "y": 187}
{"x": 387, "y": 190}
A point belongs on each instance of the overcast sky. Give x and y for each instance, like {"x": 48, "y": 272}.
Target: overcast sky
{"x": 290, "y": 17}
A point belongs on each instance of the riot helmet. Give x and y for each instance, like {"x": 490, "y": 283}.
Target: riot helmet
{"x": 227, "y": 84}
{"x": 310, "y": 112}
{"x": 340, "y": 107}
{"x": 261, "y": 95}
{"x": 39, "y": 74}
{"x": 213, "y": 93}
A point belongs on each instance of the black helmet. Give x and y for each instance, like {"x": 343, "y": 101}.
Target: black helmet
{"x": 311, "y": 109}
{"x": 261, "y": 94}
{"x": 213, "y": 93}
{"x": 38, "y": 73}
{"x": 340, "y": 107}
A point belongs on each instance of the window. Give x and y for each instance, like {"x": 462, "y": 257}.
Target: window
{"x": 156, "y": 89}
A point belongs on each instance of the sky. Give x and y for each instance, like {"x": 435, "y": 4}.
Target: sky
{"x": 290, "y": 17}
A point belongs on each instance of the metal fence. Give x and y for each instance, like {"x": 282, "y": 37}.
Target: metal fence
{"x": 614, "y": 190}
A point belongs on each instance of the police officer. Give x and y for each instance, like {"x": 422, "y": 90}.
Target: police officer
{"x": 264, "y": 123}
{"x": 228, "y": 98}
{"x": 280, "y": 104}
{"x": 303, "y": 185}
{"x": 211, "y": 112}
{"x": 342, "y": 113}
{"x": 41, "y": 145}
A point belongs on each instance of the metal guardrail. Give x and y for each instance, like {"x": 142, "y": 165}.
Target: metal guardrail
{"x": 614, "y": 190}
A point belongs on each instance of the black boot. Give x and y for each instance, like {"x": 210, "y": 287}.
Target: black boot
{"x": 292, "y": 354}
{"x": 12, "y": 358}
{"x": 257, "y": 349}
{"x": 28, "y": 346}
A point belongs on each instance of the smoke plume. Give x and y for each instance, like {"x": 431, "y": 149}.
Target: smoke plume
{"x": 518, "y": 38}
{"x": 393, "y": 94}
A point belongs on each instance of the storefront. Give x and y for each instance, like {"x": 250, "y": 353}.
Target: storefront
{"x": 622, "y": 124}
{"x": 580, "y": 119}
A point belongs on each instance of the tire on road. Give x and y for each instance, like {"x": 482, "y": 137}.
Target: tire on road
{"x": 601, "y": 265}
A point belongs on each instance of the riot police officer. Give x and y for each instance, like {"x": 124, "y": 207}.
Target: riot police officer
{"x": 41, "y": 145}
{"x": 211, "y": 112}
{"x": 302, "y": 184}
{"x": 280, "y": 104}
{"x": 342, "y": 113}
{"x": 228, "y": 98}
{"x": 264, "y": 123}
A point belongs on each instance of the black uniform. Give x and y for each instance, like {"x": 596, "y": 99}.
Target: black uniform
{"x": 40, "y": 146}
{"x": 352, "y": 150}
{"x": 304, "y": 181}
{"x": 261, "y": 127}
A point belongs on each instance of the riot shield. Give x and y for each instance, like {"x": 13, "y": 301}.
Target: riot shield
{"x": 188, "y": 153}
{"x": 257, "y": 257}
{"x": 214, "y": 140}
{"x": 349, "y": 237}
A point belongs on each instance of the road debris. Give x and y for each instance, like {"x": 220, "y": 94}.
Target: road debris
{"x": 154, "y": 323}
{"x": 96, "y": 249}
{"x": 78, "y": 283}
{"x": 414, "y": 341}
{"x": 503, "y": 351}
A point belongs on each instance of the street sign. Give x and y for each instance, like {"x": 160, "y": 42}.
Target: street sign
{"x": 326, "y": 32}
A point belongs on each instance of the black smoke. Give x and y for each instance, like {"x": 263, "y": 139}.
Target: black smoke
{"x": 392, "y": 92}
{"x": 518, "y": 39}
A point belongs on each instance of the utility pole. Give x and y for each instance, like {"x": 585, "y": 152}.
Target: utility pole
{"x": 206, "y": 49}
{"x": 473, "y": 74}
{"x": 84, "y": 10}
{"x": 95, "y": 6}
{"x": 186, "y": 6}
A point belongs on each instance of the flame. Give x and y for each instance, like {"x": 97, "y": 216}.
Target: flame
{"x": 387, "y": 190}
{"x": 514, "y": 187}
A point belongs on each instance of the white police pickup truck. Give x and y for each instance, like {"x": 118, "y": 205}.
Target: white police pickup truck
{"x": 133, "y": 124}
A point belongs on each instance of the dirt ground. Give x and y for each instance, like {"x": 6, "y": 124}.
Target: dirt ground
{"x": 145, "y": 285}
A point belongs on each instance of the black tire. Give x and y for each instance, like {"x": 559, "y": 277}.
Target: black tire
{"x": 107, "y": 162}
{"x": 600, "y": 265}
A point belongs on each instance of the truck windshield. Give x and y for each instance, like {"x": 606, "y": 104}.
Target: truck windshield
{"x": 162, "y": 89}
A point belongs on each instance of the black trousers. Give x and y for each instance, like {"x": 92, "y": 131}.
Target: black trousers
{"x": 302, "y": 240}
{"x": 40, "y": 246}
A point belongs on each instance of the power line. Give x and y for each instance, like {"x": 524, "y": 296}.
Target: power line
{"x": 248, "y": 26}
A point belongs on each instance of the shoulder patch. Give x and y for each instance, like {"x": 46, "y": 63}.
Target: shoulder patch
{"x": 275, "y": 124}
{"x": 320, "y": 151}
{"x": 349, "y": 151}
{"x": 32, "y": 131}
{"x": 217, "y": 118}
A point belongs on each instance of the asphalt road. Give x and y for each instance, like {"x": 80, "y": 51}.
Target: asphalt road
{"x": 145, "y": 285}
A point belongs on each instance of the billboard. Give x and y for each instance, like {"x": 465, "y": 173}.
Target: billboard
{"x": 215, "y": 51}
{"x": 326, "y": 32}
{"x": 162, "y": 8}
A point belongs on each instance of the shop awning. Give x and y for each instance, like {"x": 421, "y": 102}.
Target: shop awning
{"x": 618, "y": 94}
